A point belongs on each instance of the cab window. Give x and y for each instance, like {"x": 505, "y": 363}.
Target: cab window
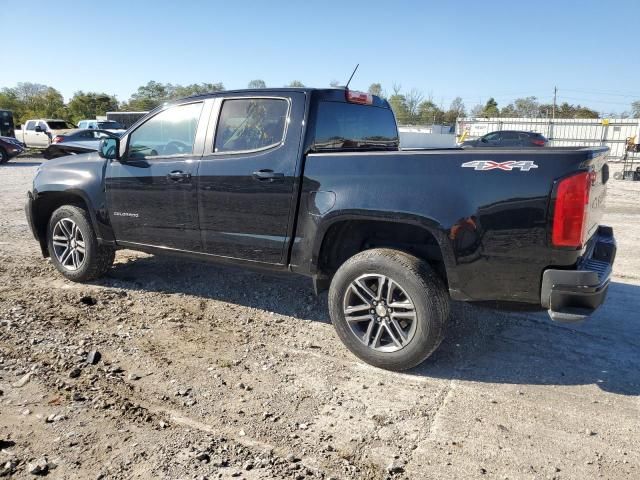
{"x": 170, "y": 132}
{"x": 251, "y": 124}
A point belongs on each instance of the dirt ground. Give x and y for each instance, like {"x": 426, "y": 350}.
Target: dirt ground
{"x": 208, "y": 372}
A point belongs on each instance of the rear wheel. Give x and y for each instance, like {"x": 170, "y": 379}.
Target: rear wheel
{"x": 73, "y": 245}
{"x": 389, "y": 308}
{"x": 4, "y": 156}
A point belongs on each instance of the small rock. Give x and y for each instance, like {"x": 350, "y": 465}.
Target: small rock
{"x": 483, "y": 470}
{"x": 303, "y": 426}
{"x": 134, "y": 376}
{"x": 589, "y": 433}
{"x": 38, "y": 467}
{"x": 74, "y": 373}
{"x": 88, "y": 300}
{"x": 203, "y": 457}
{"x": 78, "y": 397}
{"x": 93, "y": 357}
{"x": 396, "y": 466}
{"x": 248, "y": 466}
{"x": 23, "y": 381}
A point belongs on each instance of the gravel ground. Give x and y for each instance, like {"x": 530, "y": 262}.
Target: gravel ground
{"x": 208, "y": 372}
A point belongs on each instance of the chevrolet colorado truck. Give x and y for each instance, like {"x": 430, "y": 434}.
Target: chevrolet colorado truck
{"x": 312, "y": 181}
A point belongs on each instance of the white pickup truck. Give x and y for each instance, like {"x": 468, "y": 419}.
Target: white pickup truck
{"x": 38, "y": 133}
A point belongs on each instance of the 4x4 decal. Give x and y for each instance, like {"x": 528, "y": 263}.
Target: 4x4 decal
{"x": 484, "y": 165}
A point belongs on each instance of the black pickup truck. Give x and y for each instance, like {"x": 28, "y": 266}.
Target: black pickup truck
{"x": 313, "y": 181}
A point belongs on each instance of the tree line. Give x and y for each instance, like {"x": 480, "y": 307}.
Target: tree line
{"x": 34, "y": 100}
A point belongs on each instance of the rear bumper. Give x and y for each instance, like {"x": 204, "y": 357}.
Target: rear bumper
{"x": 573, "y": 295}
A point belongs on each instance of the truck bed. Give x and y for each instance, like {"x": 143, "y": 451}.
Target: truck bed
{"x": 489, "y": 209}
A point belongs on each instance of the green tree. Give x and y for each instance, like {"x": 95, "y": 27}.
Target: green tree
{"x": 33, "y": 100}
{"x": 566, "y": 110}
{"x": 456, "y": 110}
{"x": 257, "y": 84}
{"x": 490, "y": 109}
{"x": 376, "y": 89}
{"x": 295, "y": 84}
{"x": 181, "y": 91}
{"x": 429, "y": 113}
{"x": 90, "y": 104}
{"x": 149, "y": 96}
{"x": 398, "y": 104}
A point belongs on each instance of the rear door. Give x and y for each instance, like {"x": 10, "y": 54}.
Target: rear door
{"x": 151, "y": 192}
{"x": 510, "y": 139}
{"x": 247, "y": 176}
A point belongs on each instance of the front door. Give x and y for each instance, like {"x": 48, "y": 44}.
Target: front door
{"x": 34, "y": 138}
{"x": 151, "y": 192}
{"x": 246, "y": 177}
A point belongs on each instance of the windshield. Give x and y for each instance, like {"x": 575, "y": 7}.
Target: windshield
{"x": 110, "y": 125}
{"x": 60, "y": 125}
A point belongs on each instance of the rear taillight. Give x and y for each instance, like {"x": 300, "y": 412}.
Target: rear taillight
{"x": 362, "y": 98}
{"x": 57, "y": 139}
{"x": 538, "y": 142}
{"x": 569, "y": 217}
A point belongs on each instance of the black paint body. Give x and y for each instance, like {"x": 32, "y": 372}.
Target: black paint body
{"x": 491, "y": 228}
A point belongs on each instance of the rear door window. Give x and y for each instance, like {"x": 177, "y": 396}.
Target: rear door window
{"x": 348, "y": 126}
{"x": 250, "y": 124}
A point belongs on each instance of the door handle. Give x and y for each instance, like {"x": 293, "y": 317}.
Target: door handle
{"x": 268, "y": 175}
{"x": 178, "y": 176}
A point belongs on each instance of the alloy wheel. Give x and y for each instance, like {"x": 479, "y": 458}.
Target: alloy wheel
{"x": 68, "y": 244}
{"x": 380, "y": 313}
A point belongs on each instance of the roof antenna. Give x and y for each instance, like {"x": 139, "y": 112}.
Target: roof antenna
{"x": 354, "y": 72}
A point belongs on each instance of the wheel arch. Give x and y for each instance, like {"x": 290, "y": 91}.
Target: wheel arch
{"x": 343, "y": 235}
{"x": 45, "y": 203}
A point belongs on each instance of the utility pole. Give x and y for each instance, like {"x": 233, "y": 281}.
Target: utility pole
{"x": 555, "y": 93}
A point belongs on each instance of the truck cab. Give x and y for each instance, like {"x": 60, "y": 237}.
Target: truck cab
{"x": 39, "y": 133}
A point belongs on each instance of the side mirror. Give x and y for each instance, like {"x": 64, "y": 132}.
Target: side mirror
{"x": 39, "y": 129}
{"x": 109, "y": 148}
{"x": 484, "y": 140}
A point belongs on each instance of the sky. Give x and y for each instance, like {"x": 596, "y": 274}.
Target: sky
{"x": 472, "y": 49}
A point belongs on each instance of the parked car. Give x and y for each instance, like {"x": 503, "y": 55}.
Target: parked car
{"x": 313, "y": 182}
{"x": 74, "y": 142}
{"x": 508, "y": 139}
{"x": 9, "y": 148}
{"x": 39, "y": 133}
{"x": 109, "y": 125}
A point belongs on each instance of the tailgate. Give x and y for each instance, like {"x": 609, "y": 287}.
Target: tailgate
{"x": 598, "y": 192}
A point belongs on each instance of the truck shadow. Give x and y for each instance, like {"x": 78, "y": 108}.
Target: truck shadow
{"x": 482, "y": 345}
{"x": 528, "y": 348}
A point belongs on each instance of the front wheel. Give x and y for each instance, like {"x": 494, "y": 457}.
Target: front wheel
{"x": 4, "y": 156}
{"x": 73, "y": 245}
{"x": 389, "y": 308}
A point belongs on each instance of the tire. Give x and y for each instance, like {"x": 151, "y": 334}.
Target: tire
{"x": 412, "y": 282}
{"x": 617, "y": 176}
{"x": 71, "y": 225}
{"x": 4, "y": 156}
